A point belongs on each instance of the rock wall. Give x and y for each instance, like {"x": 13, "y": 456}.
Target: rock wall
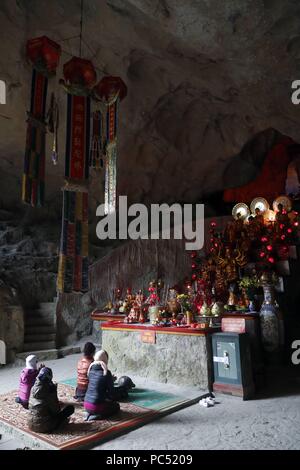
{"x": 11, "y": 322}
{"x": 203, "y": 79}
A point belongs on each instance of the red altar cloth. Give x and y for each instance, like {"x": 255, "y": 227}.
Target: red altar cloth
{"x": 175, "y": 330}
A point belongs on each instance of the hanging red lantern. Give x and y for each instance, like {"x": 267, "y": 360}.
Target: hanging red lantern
{"x": 80, "y": 72}
{"x": 109, "y": 87}
{"x": 43, "y": 53}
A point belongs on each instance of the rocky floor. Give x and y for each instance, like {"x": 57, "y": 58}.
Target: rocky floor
{"x": 272, "y": 421}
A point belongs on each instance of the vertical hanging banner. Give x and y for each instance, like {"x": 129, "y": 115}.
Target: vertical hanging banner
{"x": 80, "y": 76}
{"x": 97, "y": 150}
{"x": 110, "y": 91}
{"x": 44, "y": 54}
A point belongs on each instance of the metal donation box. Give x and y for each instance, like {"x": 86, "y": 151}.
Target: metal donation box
{"x": 232, "y": 364}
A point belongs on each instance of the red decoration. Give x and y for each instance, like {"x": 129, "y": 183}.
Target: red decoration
{"x": 269, "y": 247}
{"x": 109, "y": 86}
{"x": 80, "y": 72}
{"x": 43, "y": 53}
{"x": 271, "y": 179}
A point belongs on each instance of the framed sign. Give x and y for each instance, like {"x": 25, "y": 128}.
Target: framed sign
{"x": 148, "y": 336}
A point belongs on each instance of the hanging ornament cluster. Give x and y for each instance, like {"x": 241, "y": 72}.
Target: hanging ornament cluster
{"x": 109, "y": 92}
{"x": 82, "y": 150}
{"x": 43, "y": 54}
{"x": 79, "y": 76}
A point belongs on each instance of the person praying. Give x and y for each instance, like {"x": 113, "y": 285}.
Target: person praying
{"x": 99, "y": 401}
{"x": 82, "y": 369}
{"x": 27, "y": 379}
{"x": 46, "y": 414}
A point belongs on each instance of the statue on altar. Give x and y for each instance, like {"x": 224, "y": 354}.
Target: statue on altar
{"x": 233, "y": 298}
{"x": 259, "y": 217}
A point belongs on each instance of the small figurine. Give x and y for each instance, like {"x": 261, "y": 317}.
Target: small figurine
{"x": 153, "y": 298}
{"x": 108, "y": 307}
{"x": 173, "y": 304}
{"x": 232, "y": 300}
{"x": 139, "y": 298}
{"x": 129, "y": 298}
{"x": 142, "y": 317}
{"x": 133, "y": 316}
{"x": 259, "y": 216}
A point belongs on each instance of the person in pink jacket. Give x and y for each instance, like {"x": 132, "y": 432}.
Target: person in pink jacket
{"x": 27, "y": 379}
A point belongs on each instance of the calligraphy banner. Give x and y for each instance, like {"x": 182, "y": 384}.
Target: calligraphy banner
{"x": 78, "y": 137}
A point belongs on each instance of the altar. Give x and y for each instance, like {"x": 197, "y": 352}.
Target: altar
{"x": 178, "y": 355}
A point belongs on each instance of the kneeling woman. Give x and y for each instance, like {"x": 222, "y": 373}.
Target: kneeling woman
{"x": 98, "y": 401}
{"x": 45, "y": 411}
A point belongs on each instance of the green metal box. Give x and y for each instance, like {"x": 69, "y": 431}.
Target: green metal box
{"x": 233, "y": 373}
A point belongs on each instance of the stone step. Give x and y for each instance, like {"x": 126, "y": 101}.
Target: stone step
{"x": 38, "y": 321}
{"x": 39, "y": 329}
{"x": 47, "y": 354}
{"x": 42, "y": 313}
{"x": 38, "y": 337}
{"x": 47, "y": 307}
{"x": 39, "y": 345}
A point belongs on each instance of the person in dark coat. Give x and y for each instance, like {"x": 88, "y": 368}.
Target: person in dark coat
{"x": 99, "y": 401}
{"x": 82, "y": 369}
{"x": 46, "y": 413}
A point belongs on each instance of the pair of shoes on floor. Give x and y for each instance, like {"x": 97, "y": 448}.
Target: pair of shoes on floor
{"x": 207, "y": 402}
{"x": 90, "y": 417}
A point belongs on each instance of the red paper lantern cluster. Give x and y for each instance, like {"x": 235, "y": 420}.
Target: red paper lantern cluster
{"x": 43, "y": 53}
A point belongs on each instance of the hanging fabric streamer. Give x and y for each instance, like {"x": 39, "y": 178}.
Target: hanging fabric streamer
{"x": 110, "y": 90}
{"x": 73, "y": 259}
{"x": 53, "y": 123}
{"x": 98, "y": 142}
{"x": 110, "y": 190}
{"x": 44, "y": 56}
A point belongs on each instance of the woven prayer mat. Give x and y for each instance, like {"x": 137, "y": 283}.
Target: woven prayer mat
{"x": 142, "y": 407}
